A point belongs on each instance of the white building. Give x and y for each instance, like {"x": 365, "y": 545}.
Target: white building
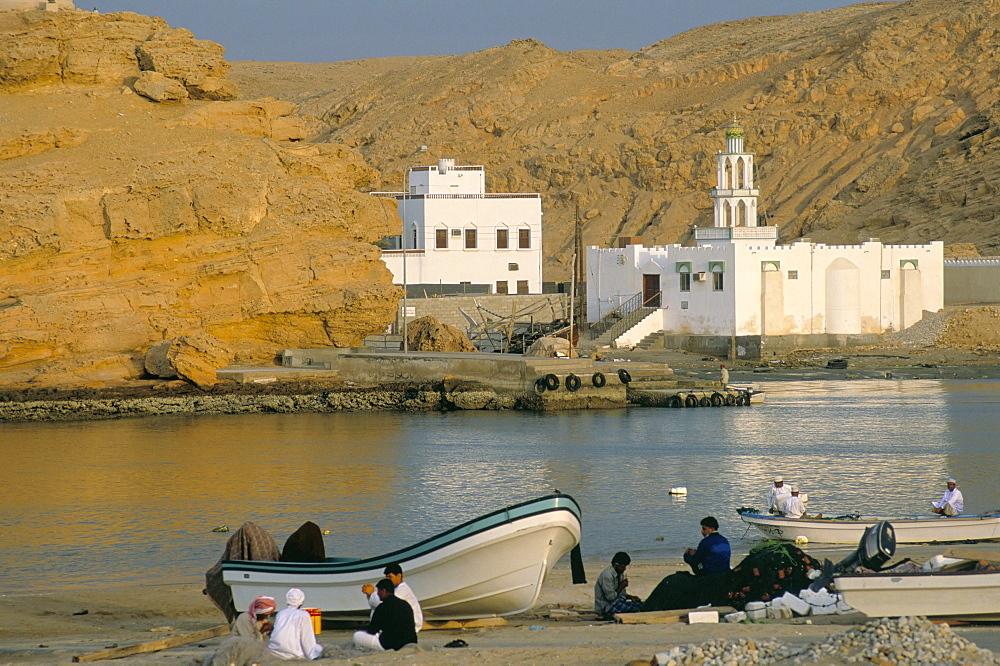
{"x": 739, "y": 293}
{"x": 456, "y": 235}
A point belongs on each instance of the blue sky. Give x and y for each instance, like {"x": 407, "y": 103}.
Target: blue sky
{"x": 332, "y": 30}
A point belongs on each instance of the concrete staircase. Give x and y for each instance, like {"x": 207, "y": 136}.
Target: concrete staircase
{"x": 652, "y": 341}
{"x": 622, "y": 326}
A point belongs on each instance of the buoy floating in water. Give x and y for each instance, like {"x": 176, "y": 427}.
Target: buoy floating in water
{"x": 679, "y": 490}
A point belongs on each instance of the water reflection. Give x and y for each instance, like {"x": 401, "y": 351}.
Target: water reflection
{"x": 106, "y": 502}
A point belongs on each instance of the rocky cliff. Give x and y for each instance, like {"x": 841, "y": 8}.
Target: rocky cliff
{"x": 874, "y": 120}
{"x": 130, "y": 219}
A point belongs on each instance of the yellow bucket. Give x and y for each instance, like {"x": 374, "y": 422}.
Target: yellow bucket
{"x": 316, "y": 615}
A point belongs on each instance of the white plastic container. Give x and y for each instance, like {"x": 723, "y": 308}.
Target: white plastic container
{"x": 679, "y": 490}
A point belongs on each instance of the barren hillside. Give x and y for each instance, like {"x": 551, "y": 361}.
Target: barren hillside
{"x": 875, "y": 120}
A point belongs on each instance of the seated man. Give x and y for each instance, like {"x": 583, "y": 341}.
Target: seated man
{"x": 609, "y": 591}
{"x": 952, "y": 503}
{"x": 792, "y": 506}
{"x": 394, "y": 572}
{"x": 713, "y": 553}
{"x": 293, "y": 636}
{"x": 392, "y": 622}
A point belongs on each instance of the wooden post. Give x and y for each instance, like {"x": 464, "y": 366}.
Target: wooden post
{"x": 153, "y": 646}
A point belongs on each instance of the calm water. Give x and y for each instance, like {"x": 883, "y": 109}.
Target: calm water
{"x": 92, "y": 504}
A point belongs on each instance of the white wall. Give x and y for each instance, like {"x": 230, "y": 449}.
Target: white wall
{"x": 812, "y": 290}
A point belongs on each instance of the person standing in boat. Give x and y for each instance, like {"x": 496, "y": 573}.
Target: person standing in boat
{"x": 952, "y": 503}
{"x": 713, "y": 553}
{"x": 609, "y": 591}
{"x": 792, "y": 506}
{"x": 392, "y": 622}
{"x": 293, "y": 636}
{"x": 394, "y": 572}
{"x": 776, "y": 494}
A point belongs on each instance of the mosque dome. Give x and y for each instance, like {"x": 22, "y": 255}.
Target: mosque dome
{"x": 734, "y": 131}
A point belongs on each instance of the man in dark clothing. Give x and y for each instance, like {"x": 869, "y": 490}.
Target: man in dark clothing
{"x": 713, "y": 553}
{"x": 391, "y": 626}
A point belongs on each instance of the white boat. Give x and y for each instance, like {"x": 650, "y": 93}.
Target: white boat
{"x": 909, "y": 529}
{"x": 491, "y": 566}
{"x": 960, "y": 593}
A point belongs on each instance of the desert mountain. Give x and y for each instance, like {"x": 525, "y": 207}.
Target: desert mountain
{"x": 874, "y": 120}
{"x": 138, "y": 206}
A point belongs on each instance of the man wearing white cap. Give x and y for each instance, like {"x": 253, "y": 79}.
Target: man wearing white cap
{"x": 776, "y": 494}
{"x": 951, "y": 503}
{"x": 792, "y": 506}
{"x": 293, "y": 636}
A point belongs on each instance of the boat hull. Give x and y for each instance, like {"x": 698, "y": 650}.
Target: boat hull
{"x": 931, "y": 594}
{"x": 488, "y": 567}
{"x": 912, "y": 529}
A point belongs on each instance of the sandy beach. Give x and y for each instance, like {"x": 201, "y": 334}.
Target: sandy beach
{"x": 48, "y": 627}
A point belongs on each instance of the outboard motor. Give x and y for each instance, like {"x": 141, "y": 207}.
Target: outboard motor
{"x": 877, "y": 546}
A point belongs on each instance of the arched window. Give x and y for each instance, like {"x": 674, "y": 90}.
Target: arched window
{"x": 503, "y": 237}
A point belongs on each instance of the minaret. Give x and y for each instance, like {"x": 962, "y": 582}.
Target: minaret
{"x": 734, "y": 196}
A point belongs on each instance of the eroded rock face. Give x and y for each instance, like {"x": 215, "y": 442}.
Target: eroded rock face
{"x": 127, "y": 222}
{"x": 160, "y": 88}
{"x": 84, "y": 48}
{"x": 194, "y": 358}
{"x": 429, "y": 334}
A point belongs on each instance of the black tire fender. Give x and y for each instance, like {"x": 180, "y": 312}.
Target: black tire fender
{"x": 572, "y": 382}
{"x": 675, "y": 402}
{"x": 551, "y": 382}
{"x": 730, "y": 399}
{"x": 690, "y": 401}
{"x": 624, "y": 376}
{"x": 540, "y": 386}
{"x": 717, "y": 399}
{"x": 705, "y": 401}
{"x": 598, "y": 379}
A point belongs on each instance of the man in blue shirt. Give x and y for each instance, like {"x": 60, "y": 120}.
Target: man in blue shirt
{"x": 712, "y": 555}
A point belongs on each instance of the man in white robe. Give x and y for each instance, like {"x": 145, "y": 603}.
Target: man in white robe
{"x": 792, "y": 506}
{"x": 394, "y": 572}
{"x": 293, "y": 636}
{"x": 952, "y": 502}
{"x": 776, "y": 494}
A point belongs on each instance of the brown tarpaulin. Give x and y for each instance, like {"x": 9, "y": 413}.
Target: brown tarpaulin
{"x": 305, "y": 545}
{"x": 250, "y": 542}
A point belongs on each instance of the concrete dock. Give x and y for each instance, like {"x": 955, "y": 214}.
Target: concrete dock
{"x": 483, "y": 381}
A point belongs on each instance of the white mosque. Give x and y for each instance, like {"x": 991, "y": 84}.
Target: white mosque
{"x": 738, "y": 293}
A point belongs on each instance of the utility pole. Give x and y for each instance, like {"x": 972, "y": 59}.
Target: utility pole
{"x": 578, "y": 271}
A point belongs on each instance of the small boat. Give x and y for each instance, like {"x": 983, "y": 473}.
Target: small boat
{"x": 849, "y": 529}
{"x": 932, "y": 593}
{"x": 491, "y": 566}
{"x": 755, "y": 395}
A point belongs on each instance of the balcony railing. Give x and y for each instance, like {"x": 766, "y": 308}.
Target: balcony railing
{"x": 730, "y": 233}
